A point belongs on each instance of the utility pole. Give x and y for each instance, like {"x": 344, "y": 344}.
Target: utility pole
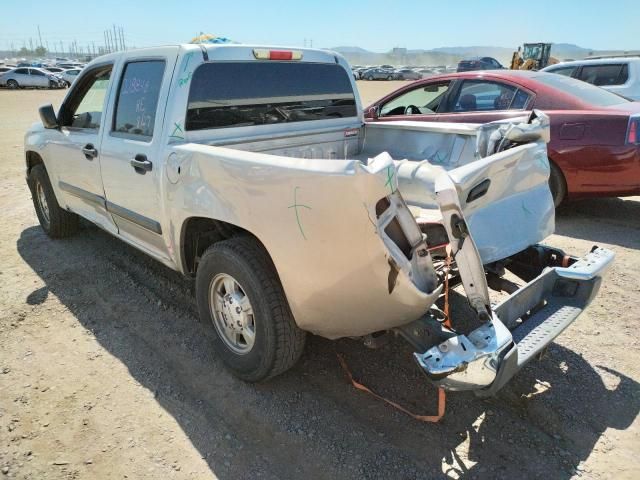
{"x": 115, "y": 36}
{"x": 124, "y": 47}
{"x": 39, "y": 36}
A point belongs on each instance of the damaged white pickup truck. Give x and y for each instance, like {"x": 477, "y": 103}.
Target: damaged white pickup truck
{"x": 252, "y": 169}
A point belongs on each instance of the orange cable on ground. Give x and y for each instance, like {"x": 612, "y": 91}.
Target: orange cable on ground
{"x": 422, "y": 418}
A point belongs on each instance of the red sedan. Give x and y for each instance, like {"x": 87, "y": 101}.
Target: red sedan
{"x": 595, "y": 134}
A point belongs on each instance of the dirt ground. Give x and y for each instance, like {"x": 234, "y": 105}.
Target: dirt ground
{"x": 106, "y": 374}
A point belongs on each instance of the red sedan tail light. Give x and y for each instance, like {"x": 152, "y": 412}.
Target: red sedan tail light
{"x": 633, "y": 132}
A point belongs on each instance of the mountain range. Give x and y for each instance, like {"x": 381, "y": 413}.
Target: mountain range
{"x": 452, "y": 55}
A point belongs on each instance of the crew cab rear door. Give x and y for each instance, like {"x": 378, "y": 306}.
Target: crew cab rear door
{"x": 132, "y": 147}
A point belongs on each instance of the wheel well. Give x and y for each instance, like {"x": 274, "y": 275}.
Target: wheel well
{"x": 32, "y": 159}
{"x": 199, "y": 233}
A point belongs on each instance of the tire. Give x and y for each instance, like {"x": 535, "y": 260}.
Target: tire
{"x": 277, "y": 341}
{"x": 390, "y": 77}
{"x": 369, "y": 78}
{"x": 53, "y": 84}
{"x": 557, "y": 185}
{"x": 12, "y": 84}
{"x": 55, "y": 221}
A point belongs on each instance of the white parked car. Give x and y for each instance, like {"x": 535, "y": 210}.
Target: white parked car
{"x": 30, "y": 77}
{"x": 70, "y": 75}
{"x": 618, "y": 75}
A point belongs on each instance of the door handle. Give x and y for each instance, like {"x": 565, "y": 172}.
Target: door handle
{"x": 89, "y": 151}
{"x": 141, "y": 165}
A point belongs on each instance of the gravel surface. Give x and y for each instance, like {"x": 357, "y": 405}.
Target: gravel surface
{"x": 106, "y": 373}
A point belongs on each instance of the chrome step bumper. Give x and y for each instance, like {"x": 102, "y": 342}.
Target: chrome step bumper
{"x": 487, "y": 358}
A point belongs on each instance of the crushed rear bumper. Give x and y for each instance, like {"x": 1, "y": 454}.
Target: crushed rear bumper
{"x": 520, "y": 328}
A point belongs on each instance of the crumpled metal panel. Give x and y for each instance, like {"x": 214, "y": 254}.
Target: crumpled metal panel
{"x": 317, "y": 219}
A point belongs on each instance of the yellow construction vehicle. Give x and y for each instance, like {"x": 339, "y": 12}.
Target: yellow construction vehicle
{"x": 535, "y": 56}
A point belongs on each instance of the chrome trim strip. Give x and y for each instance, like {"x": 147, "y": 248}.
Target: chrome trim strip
{"x": 134, "y": 217}
{"x": 83, "y": 194}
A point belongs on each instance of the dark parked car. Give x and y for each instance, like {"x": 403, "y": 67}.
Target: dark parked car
{"x": 479, "y": 63}
{"x": 378, "y": 74}
{"x": 595, "y": 134}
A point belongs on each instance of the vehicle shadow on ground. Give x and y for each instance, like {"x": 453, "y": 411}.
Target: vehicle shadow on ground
{"x": 604, "y": 220}
{"x": 310, "y": 422}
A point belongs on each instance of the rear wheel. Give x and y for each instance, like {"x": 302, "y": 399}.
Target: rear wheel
{"x": 55, "y": 221}
{"x": 557, "y": 185}
{"x": 369, "y": 78}
{"x": 13, "y": 84}
{"x": 241, "y": 301}
{"x": 390, "y": 77}
{"x": 52, "y": 84}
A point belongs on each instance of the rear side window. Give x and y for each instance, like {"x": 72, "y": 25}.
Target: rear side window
{"x": 137, "y": 98}
{"x": 237, "y": 94}
{"x": 482, "y": 96}
{"x": 604, "y": 75}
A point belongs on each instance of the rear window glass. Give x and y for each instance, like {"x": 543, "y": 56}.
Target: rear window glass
{"x": 581, "y": 90}
{"x": 235, "y": 94}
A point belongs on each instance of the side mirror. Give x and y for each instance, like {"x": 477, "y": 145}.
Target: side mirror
{"x": 48, "y": 116}
{"x": 371, "y": 113}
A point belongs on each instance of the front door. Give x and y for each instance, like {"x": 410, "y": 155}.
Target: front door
{"x": 131, "y": 166}
{"x": 76, "y": 150}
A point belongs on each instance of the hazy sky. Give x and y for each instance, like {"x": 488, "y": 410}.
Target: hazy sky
{"x": 374, "y": 25}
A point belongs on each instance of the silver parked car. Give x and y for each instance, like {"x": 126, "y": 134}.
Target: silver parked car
{"x": 407, "y": 74}
{"x": 70, "y": 75}
{"x": 31, "y": 77}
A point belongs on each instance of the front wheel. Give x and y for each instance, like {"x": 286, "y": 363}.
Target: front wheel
{"x": 12, "y": 84}
{"x": 54, "y": 220}
{"x": 390, "y": 77}
{"x": 242, "y": 303}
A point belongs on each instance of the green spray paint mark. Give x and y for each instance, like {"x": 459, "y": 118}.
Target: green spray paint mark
{"x": 184, "y": 80}
{"x": 296, "y": 206}
{"x": 178, "y": 132}
{"x": 390, "y": 174}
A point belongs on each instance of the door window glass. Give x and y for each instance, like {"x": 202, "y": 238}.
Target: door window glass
{"x": 39, "y": 73}
{"x": 420, "y": 101}
{"x": 566, "y": 71}
{"x": 137, "y": 99}
{"x": 84, "y": 107}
